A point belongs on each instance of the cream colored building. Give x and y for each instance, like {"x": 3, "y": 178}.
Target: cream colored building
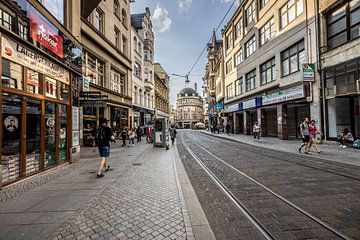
{"x": 189, "y": 108}
{"x": 265, "y": 46}
{"x": 162, "y": 91}
{"x": 143, "y": 68}
{"x": 105, "y": 38}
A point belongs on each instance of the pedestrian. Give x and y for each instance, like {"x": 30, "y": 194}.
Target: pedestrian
{"x": 313, "y": 131}
{"x": 256, "y": 131}
{"x": 123, "y": 135}
{"x": 228, "y": 129}
{"x": 345, "y": 137}
{"x": 139, "y": 133}
{"x": 218, "y": 128}
{"x": 212, "y": 128}
{"x": 173, "y": 133}
{"x": 103, "y": 137}
{"x": 304, "y": 133}
{"x": 131, "y": 134}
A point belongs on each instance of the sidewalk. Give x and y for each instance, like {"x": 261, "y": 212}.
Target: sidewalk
{"x": 330, "y": 150}
{"x": 141, "y": 197}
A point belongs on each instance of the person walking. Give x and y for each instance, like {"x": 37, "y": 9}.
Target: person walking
{"x": 173, "y": 133}
{"x": 228, "y": 129}
{"x": 131, "y": 134}
{"x": 103, "y": 137}
{"x": 218, "y": 128}
{"x": 139, "y": 133}
{"x": 313, "y": 131}
{"x": 123, "y": 135}
{"x": 256, "y": 131}
{"x": 304, "y": 133}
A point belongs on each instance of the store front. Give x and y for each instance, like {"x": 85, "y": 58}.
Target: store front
{"x": 342, "y": 92}
{"x": 270, "y": 115}
{"x": 250, "y": 113}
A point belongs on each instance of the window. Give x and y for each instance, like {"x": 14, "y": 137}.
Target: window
{"x": 238, "y": 29}
{"x": 291, "y": 10}
{"x": 218, "y": 88}
{"x": 250, "y": 13}
{"x": 146, "y": 55}
{"x": 238, "y": 58}
{"x": 99, "y": 20}
{"x": 34, "y": 83}
{"x": 55, "y": 7}
{"x": 228, "y": 66}
{"x": 93, "y": 69}
{"x": 5, "y": 20}
{"x": 343, "y": 24}
{"x": 12, "y": 75}
{"x": 250, "y": 80}
{"x": 135, "y": 95}
{"x": 229, "y": 41}
{"x": 117, "y": 8}
{"x": 267, "y": 72}
{"x": 117, "y": 82}
{"x": 292, "y": 58}
{"x": 124, "y": 17}
{"x": 124, "y": 45}
{"x": 229, "y": 91}
{"x": 135, "y": 43}
{"x": 267, "y": 32}
{"x": 137, "y": 69}
{"x": 50, "y": 87}
{"x": 239, "y": 86}
{"x": 64, "y": 91}
{"x": 250, "y": 46}
{"x": 23, "y": 31}
{"x": 117, "y": 37}
{"x": 139, "y": 48}
{"x": 263, "y": 3}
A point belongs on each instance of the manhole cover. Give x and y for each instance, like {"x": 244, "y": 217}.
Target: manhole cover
{"x": 137, "y": 164}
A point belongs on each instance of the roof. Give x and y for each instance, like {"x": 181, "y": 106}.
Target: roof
{"x": 187, "y": 92}
{"x": 136, "y": 20}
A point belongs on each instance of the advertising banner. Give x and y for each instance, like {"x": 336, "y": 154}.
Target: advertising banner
{"x": 284, "y": 95}
{"x": 308, "y": 72}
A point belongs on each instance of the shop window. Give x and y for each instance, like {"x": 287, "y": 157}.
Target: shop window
{"x": 292, "y": 58}
{"x": 267, "y": 72}
{"x": 64, "y": 91}
{"x": 11, "y": 140}
{"x": 251, "y": 80}
{"x": 12, "y": 75}
{"x": 343, "y": 23}
{"x": 63, "y": 134}
{"x": 33, "y": 135}
{"x": 50, "y": 134}
{"x": 50, "y": 87}
{"x": 34, "y": 82}
{"x": 6, "y": 20}
{"x": 291, "y": 10}
{"x": 55, "y": 7}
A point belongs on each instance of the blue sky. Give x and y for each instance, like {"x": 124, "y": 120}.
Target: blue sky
{"x": 182, "y": 29}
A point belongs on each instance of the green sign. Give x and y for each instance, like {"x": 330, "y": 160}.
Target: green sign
{"x": 308, "y": 72}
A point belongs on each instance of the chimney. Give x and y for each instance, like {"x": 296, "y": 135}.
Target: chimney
{"x": 195, "y": 87}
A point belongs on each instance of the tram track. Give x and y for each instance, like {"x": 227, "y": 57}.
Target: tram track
{"x": 202, "y": 155}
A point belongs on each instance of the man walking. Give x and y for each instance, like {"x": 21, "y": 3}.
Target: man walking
{"x": 173, "y": 133}
{"x": 139, "y": 132}
{"x": 256, "y": 131}
{"x": 304, "y": 133}
{"x": 103, "y": 136}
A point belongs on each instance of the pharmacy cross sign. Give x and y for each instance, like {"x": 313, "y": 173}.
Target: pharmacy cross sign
{"x": 307, "y": 72}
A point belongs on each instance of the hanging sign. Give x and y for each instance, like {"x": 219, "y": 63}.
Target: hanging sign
{"x": 86, "y": 84}
{"x": 308, "y": 72}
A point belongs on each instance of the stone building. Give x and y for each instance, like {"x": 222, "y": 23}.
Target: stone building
{"x": 143, "y": 91}
{"x": 267, "y": 46}
{"x": 162, "y": 90}
{"x": 189, "y": 108}
{"x": 339, "y": 37}
{"x": 105, "y": 37}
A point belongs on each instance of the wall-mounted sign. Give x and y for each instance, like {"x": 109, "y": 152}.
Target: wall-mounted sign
{"x": 232, "y": 108}
{"x": 45, "y": 35}
{"x": 85, "y": 84}
{"x": 16, "y": 52}
{"x": 75, "y": 138}
{"x": 219, "y": 106}
{"x": 249, "y": 104}
{"x": 75, "y": 118}
{"x": 308, "y": 72}
{"x": 284, "y": 95}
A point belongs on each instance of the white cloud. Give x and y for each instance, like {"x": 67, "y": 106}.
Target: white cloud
{"x": 161, "y": 20}
{"x": 184, "y": 5}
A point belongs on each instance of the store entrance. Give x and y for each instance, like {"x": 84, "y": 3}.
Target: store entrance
{"x": 295, "y": 116}
{"x": 271, "y": 122}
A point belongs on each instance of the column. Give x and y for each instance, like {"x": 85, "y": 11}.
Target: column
{"x": 261, "y": 121}
{"x": 247, "y": 122}
{"x": 282, "y": 122}
{"x": 236, "y": 123}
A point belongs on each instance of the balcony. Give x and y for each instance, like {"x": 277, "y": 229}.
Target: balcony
{"x": 148, "y": 44}
{"x": 148, "y": 85}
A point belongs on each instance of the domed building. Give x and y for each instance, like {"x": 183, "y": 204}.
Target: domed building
{"x": 189, "y": 108}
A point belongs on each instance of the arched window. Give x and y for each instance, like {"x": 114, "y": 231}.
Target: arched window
{"x": 135, "y": 43}
{"x": 151, "y": 77}
{"x": 124, "y": 17}
{"x": 139, "y": 48}
{"x": 117, "y": 8}
{"x": 146, "y": 36}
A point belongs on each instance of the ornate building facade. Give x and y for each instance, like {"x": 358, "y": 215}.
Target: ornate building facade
{"x": 162, "y": 90}
{"x": 189, "y": 108}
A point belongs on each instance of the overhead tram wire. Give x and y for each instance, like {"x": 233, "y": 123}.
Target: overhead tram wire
{"x": 217, "y": 28}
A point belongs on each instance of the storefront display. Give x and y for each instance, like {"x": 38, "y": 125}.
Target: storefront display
{"x": 33, "y": 135}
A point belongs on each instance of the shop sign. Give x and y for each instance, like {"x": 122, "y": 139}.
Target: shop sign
{"x": 15, "y": 52}
{"x": 85, "y": 84}
{"x": 75, "y": 118}
{"x": 284, "y": 95}
{"x": 75, "y": 138}
{"x": 219, "y": 106}
{"x": 249, "y": 104}
{"x": 45, "y": 35}
{"x": 232, "y": 108}
{"x": 93, "y": 103}
{"x": 308, "y": 72}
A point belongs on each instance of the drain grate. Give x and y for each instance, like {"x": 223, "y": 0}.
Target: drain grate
{"x": 137, "y": 164}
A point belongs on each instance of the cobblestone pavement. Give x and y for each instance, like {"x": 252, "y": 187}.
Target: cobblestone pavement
{"x": 313, "y": 184}
{"x": 139, "y": 198}
{"x": 330, "y": 149}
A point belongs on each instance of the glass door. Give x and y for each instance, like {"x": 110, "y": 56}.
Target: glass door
{"x": 11, "y": 140}
{"x": 50, "y": 134}
{"x": 33, "y": 135}
{"x": 63, "y": 133}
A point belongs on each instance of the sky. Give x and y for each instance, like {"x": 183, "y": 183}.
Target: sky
{"x": 182, "y": 28}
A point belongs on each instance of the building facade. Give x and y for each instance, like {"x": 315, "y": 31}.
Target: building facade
{"x": 340, "y": 66}
{"x": 272, "y": 46}
{"x": 189, "y": 108}
{"x": 162, "y": 109}
{"x": 106, "y": 65}
{"x": 40, "y": 68}
{"x": 142, "y": 37}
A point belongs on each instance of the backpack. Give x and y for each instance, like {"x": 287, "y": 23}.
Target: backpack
{"x": 100, "y": 135}
{"x": 356, "y": 144}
